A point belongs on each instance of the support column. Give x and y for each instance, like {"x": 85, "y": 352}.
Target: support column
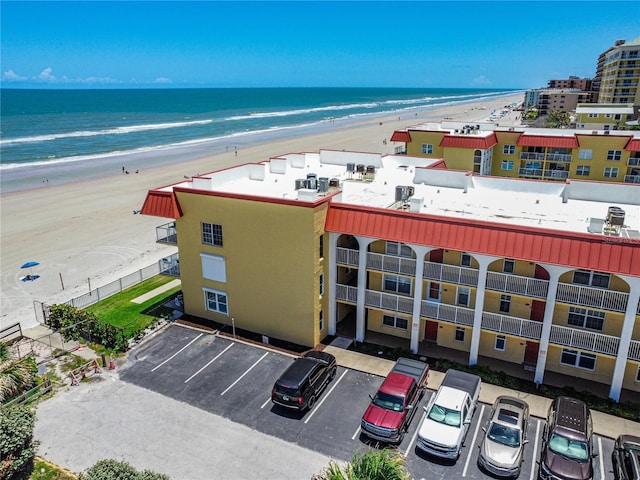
{"x": 625, "y": 338}
{"x": 417, "y": 296}
{"x": 333, "y": 279}
{"x": 547, "y": 322}
{"x": 483, "y": 264}
{"x": 363, "y": 244}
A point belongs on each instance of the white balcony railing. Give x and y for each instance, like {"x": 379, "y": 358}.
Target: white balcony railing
{"x": 447, "y": 313}
{"x": 346, "y": 293}
{"x": 531, "y": 156}
{"x": 167, "y": 233}
{"x": 450, "y": 273}
{"x": 388, "y": 301}
{"x": 634, "y": 351}
{"x": 511, "y": 325}
{"x": 530, "y": 172}
{"x": 556, "y": 174}
{"x": 592, "y": 297}
{"x": 530, "y": 287}
{"x": 594, "y": 342}
{"x": 347, "y": 256}
{"x": 559, "y": 157}
{"x": 391, "y": 263}
{"x": 632, "y": 179}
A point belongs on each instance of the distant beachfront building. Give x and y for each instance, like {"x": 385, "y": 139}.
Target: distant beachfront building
{"x": 532, "y": 153}
{"x": 544, "y": 276}
{"x": 597, "y": 79}
{"x": 547, "y": 100}
{"x": 603, "y": 116}
{"x": 582, "y": 84}
{"x": 619, "y": 80}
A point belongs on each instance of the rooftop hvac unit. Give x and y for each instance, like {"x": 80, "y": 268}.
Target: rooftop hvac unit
{"x": 334, "y": 183}
{"x": 403, "y": 193}
{"x": 323, "y": 184}
{"x": 301, "y": 183}
{"x": 312, "y": 181}
{"x": 371, "y": 169}
{"x": 351, "y": 167}
{"x": 615, "y": 216}
{"x": 360, "y": 168}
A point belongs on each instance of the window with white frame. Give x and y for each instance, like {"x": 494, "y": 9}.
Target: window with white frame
{"x": 216, "y": 301}
{"x": 592, "y": 115}
{"x": 617, "y": 116}
{"x": 610, "y": 172}
{"x": 398, "y": 249}
{"x": 463, "y": 296}
{"x": 212, "y": 234}
{"x": 614, "y": 155}
{"x": 465, "y": 260}
{"x": 582, "y": 317}
{"x": 427, "y": 148}
{"x": 321, "y": 320}
{"x": 509, "y": 265}
{"x": 501, "y": 343}
{"x": 591, "y": 278}
{"x": 585, "y": 154}
{"x": 578, "y": 359}
{"x": 397, "y": 284}
{"x": 395, "y": 322}
{"x": 459, "y": 335}
{"x": 509, "y": 150}
{"x": 507, "y": 165}
{"x": 505, "y": 303}
{"x": 583, "y": 170}
{"x": 607, "y": 115}
{"x": 321, "y": 284}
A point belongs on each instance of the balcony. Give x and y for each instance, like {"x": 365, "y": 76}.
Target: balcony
{"x": 391, "y": 263}
{"x": 347, "y": 256}
{"x": 347, "y": 293}
{"x": 388, "y": 301}
{"x": 170, "y": 265}
{"x": 633, "y": 161}
{"x": 450, "y": 273}
{"x": 559, "y": 157}
{"x": 167, "y": 234}
{"x": 447, "y": 313}
{"x": 559, "y": 174}
{"x": 530, "y": 172}
{"x": 593, "y": 342}
{"x": 530, "y": 287}
{"x": 531, "y": 156}
{"x": 511, "y": 325}
{"x": 631, "y": 179}
{"x": 592, "y": 297}
{"x": 634, "y": 351}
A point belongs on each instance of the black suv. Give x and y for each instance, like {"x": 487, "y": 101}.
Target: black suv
{"x": 626, "y": 458}
{"x": 567, "y": 450}
{"x": 300, "y": 384}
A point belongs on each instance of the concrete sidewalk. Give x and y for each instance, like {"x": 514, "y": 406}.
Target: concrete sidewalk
{"x": 603, "y": 424}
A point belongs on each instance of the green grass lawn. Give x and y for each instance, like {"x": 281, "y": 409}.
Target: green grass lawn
{"x": 120, "y": 311}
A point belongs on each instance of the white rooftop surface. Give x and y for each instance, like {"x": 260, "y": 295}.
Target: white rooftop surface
{"x": 555, "y": 205}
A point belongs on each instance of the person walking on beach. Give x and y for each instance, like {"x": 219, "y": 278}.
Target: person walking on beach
{"x": 123, "y": 169}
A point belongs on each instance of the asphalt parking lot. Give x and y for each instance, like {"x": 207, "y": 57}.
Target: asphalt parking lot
{"x": 234, "y": 380}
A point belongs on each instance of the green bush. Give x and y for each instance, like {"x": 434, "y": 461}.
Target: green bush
{"x": 16, "y": 442}
{"x": 372, "y": 465}
{"x": 115, "y": 470}
{"x": 75, "y": 324}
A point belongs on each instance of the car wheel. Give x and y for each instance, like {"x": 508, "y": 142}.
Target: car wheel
{"x": 311, "y": 402}
{"x": 332, "y": 374}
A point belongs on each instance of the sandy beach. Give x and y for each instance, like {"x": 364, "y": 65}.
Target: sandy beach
{"x": 83, "y": 232}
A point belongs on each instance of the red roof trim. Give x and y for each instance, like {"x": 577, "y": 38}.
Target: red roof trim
{"x": 401, "y": 136}
{"x": 161, "y": 203}
{"x": 456, "y": 141}
{"x": 574, "y": 250}
{"x": 547, "y": 141}
{"x": 255, "y": 198}
{"x": 633, "y": 145}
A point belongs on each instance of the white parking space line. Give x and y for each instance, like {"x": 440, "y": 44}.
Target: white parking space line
{"x": 475, "y": 435}
{"x": 326, "y": 395}
{"x": 175, "y": 354}
{"x": 358, "y": 430}
{"x": 600, "y": 458}
{"x": 415, "y": 435}
{"x": 214, "y": 359}
{"x": 266, "y": 403}
{"x": 535, "y": 452}
{"x": 247, "y": 371}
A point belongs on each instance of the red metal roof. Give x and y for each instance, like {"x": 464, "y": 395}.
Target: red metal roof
{"x": 574, "y": 250}
{"x": 633, "y": 145}
{"x": 469, "y": 141}
{"x": 401, "y": 136}
{"x": 161, "y": 203}
{"x": 547, "y": 141}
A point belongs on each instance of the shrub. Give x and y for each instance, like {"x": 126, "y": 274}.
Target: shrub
{"x": 373, "y": 465}
{"x": 115, "y": 470}
{"x": 16, "y": 442}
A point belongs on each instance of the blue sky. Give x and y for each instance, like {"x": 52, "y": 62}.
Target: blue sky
{"x": 505, "y": 44}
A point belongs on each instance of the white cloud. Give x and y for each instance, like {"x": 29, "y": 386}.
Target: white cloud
{"x": 45, "y": 76}
{"x": 11, "y": 76}
{"x": 162, "y": 80}
{"x": 481, "y": 80}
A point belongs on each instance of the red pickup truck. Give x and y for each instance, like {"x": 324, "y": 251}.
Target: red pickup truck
{"x": 388, "y": 416}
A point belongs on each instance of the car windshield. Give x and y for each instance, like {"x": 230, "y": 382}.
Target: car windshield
{"x": 388, "y": 402}
{"x": 571, "y": 449}
{"x": 444, "y": 415}
{"x": 508, "y": 436}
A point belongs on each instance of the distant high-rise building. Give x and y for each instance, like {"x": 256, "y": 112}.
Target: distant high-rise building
{"x": 597, "y": 80}
{"x": 583, "y": 84}
{"x": 619, "y": 69}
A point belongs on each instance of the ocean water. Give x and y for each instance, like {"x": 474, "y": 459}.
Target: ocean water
{"x": 57, "y": 127}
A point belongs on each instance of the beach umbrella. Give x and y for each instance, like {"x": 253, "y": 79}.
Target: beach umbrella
{"x": 29, "y": 265}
